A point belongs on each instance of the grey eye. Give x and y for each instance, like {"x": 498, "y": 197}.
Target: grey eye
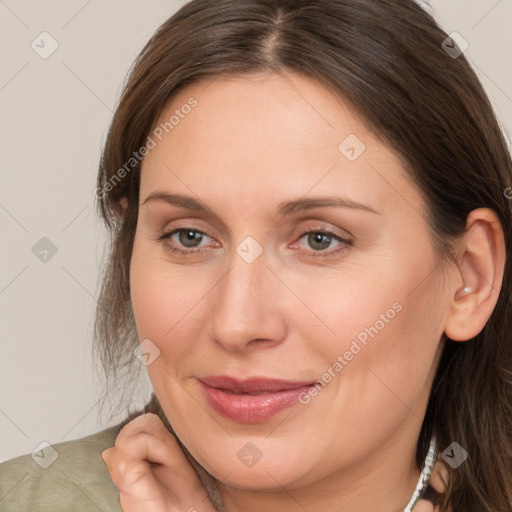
{"x": 189, "y": 237}
{"x": 319, "y": 241}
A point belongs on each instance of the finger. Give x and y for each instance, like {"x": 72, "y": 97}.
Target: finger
{"x": 139, "y": 490}
{"x": 147, "y": 438}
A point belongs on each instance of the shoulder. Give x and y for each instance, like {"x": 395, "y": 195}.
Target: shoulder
{"x": 61, "y": 477}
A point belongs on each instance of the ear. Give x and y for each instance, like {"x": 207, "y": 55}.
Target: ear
{"x": 123, "y": 203}
{"x": 481, "y": 268}
{"x": 120, "y": 207}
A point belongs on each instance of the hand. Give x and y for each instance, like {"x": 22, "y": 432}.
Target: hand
{"x": 151, "y": 471}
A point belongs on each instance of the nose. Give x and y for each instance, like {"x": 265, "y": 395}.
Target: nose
{"x": 248, "y": 310}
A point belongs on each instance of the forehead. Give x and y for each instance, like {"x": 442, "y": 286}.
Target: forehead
{"x": 269, "y": 135}
{"x": 245, "y": 114}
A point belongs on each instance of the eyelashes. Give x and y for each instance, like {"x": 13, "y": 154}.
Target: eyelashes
{"x": 312, "y": 236}
{"x": 168, "y": 236}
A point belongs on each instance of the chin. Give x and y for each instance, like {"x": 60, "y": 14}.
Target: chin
{"x": 263, "y": 479}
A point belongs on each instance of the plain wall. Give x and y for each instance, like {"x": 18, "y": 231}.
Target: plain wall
{"x": 54, "y": 116}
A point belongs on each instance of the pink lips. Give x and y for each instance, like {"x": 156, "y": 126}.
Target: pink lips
{"x": 253, "y": 400}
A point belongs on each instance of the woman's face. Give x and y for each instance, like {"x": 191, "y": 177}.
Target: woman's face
{"x": 269, "y": 278}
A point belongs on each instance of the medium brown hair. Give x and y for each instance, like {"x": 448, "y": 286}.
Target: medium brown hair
{"x": 384, "y": 57}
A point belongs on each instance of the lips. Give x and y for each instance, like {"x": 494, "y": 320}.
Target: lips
{"x": 252, "y": 386}
{"x": 253, "y": 400}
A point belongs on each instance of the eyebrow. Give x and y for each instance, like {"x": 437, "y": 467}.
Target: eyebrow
{"x": 283, "y": 209}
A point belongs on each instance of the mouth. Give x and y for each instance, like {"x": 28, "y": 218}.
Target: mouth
{"x": 253, "y": 385}
{"x": 253, "y": 400}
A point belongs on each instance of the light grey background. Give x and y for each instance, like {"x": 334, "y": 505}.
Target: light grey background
{"x": 54, "y": 116}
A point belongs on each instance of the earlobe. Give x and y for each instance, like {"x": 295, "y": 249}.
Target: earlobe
{"x": 481, "y": 270}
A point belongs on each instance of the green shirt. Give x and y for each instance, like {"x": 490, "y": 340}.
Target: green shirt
{"x": 76, "y": 480}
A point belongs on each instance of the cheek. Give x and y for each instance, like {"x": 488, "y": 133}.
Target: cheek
{"x": 163, "y": 300}
{"x": 387, "y": 329}
{"x": 167, "y": 301}
{"x": 395, "y": 356}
